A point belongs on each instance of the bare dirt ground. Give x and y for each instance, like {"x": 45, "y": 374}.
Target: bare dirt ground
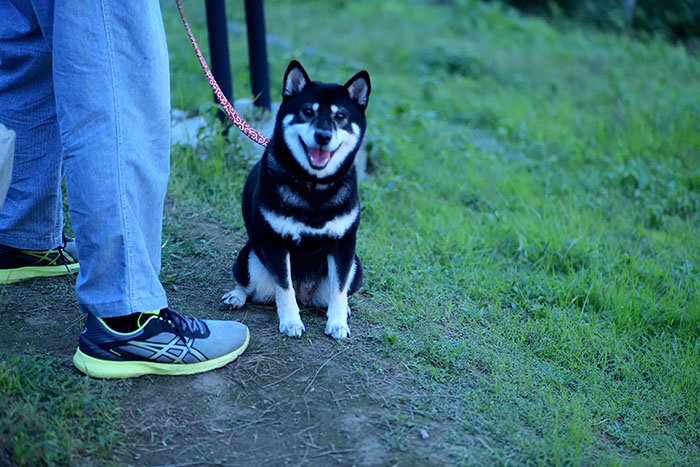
{"x": 308, "y": 401}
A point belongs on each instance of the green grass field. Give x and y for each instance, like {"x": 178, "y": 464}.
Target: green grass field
{"x": 530, "y": 227}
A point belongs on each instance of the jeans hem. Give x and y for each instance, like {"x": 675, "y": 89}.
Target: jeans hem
{"x": 124, "y": 307}
{"x": 23, "y": 243}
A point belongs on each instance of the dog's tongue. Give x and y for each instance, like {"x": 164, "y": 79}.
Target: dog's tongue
{"x": 319, "y": 157}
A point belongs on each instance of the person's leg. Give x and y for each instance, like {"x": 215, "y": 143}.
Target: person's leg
{"x": 31, "y": 217}
{"x": 111, "y": 80}
{"x": 111, "y": 87}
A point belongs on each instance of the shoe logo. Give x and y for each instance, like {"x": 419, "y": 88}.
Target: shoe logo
{"x": 175, "y": 351}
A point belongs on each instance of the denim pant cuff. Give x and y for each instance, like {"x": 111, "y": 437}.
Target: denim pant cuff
{"x": 22, "y": 242}
{"x": 123, "y": 308}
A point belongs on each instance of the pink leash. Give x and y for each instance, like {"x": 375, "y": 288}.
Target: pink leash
{"x": 247, "y": 130}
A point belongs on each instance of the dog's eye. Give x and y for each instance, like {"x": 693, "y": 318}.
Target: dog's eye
{"x": 340, "y": 116}
{"x": 307, "y": 111}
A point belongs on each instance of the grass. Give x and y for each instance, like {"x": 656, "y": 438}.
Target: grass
{"x": 530, "y": 234}
{"x": 50, "y": 416}
{"x": 530, "y": 229}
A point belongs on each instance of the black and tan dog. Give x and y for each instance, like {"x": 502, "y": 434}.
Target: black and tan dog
{"x": 301, "y": 205}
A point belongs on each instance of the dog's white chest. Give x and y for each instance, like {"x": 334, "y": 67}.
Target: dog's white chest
{"x": 287, "y": 226}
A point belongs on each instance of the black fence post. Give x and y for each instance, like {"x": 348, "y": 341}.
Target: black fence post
{"x": 218, "y": 48}
{"x": 257, "y": 52}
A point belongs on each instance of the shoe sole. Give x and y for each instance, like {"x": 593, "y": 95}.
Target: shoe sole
{"x": 8, "y": 276}
{"x": 98, "y": 368}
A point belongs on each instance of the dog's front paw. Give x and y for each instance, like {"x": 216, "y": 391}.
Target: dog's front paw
{"x": 235, "y": 298}
{"x": 337, "y": 330}
{"x": 292, "y": 327}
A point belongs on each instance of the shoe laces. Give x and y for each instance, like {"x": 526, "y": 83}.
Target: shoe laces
{"x": 48, "y": 256}
{"x": 64, "y": 260}
{"x": 183, "y": 324}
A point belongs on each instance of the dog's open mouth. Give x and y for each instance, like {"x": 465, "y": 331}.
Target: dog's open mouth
{"x": 318, "y": 157}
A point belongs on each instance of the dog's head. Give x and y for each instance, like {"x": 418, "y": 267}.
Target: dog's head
{"x": 322, "y": 124}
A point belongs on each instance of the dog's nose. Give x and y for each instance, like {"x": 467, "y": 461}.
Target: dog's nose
{"x": 322, "y": 137}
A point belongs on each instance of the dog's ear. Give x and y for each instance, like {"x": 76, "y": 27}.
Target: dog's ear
{"x": 358, "y": 88}
{"x": 295, "y": 79}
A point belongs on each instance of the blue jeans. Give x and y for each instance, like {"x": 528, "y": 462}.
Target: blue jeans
{"x": 85, "y": 85}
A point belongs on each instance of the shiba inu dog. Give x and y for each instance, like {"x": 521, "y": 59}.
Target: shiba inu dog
{"x": 301, "y": 206}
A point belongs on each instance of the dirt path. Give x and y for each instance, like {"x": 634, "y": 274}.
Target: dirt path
{"x": 311, "y": 401}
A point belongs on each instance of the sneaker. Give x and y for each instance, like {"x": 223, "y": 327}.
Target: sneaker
{"x": 17, "y": 265}
{"x": 165, "y": 343}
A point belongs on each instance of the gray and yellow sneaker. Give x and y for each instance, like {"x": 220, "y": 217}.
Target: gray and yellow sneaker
{"x": 165, "y": 343}
{"x": 17, "y": 265}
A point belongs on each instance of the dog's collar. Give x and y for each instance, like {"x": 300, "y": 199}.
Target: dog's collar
{"x": 317, "y": 185}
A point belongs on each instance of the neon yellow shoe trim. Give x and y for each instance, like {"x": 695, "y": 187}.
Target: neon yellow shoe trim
{"x": 151, "y": 314}
{"x": 128, "y": 369}
{"x": 8, "y": 276}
